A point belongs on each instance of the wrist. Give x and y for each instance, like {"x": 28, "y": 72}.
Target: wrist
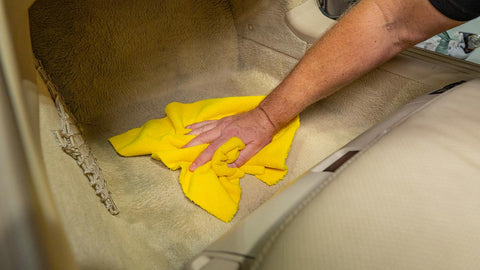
{"x": 260, "y": 108}
{"x": 263, "y": 119}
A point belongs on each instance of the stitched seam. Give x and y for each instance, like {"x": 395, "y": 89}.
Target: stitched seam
{"x": 72, "y": 142}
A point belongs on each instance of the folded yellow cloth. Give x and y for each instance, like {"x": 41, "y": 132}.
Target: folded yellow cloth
{"x": 214, "y": 186}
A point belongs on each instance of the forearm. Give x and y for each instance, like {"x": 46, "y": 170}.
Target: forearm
{"x": 370, "y": 34}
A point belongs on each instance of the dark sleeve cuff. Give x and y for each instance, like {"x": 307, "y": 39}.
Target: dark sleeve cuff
{"x": 460, "y": 10}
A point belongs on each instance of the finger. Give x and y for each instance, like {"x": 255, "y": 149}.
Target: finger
{"x": 200, "y": 124}
{"x": 206, "y": 137}
{"x": 202, "y": 129}
{"x": 248, "y": 152}
{"x": 206, "y": 155}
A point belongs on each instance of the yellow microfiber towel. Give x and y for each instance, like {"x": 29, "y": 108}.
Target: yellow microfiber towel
{"x": 213, "y": 186}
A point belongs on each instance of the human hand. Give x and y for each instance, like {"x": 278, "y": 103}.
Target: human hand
{"x": 254, "y": 128}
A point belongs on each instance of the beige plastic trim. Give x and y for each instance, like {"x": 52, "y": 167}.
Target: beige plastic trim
{"x": 20, "y": 247}
{"x": 308, "y": 22}
{"x": 28, "y": 175}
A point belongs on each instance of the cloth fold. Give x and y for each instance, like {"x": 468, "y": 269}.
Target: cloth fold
{"x": 213, "y": 186}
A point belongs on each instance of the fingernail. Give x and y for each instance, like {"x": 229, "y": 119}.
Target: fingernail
{"x": 193, "y": 167}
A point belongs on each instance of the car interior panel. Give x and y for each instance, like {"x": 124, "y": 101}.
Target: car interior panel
{"x": 383, "y": 174}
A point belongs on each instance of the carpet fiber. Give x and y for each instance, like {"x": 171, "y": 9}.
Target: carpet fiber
{"x": 118, "y": 64}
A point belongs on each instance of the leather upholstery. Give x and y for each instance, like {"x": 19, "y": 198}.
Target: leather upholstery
{"x": 410, "y": 201}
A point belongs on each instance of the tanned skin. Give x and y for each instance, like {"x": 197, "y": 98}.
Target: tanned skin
{"x": 371, "y": 33}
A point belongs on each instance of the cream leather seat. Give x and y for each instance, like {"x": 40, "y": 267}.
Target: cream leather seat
{"x": 410, "y": 200}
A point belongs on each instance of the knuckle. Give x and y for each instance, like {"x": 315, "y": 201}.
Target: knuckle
{"x": 232, "y": 132}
